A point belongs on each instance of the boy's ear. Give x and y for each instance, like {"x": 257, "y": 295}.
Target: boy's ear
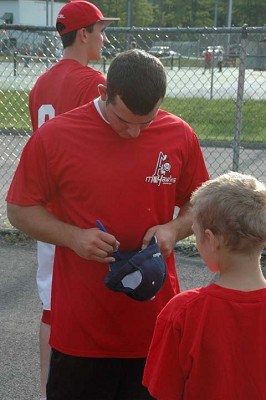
{"x": 212, "y": 239}
{"x": 102, "y": 92}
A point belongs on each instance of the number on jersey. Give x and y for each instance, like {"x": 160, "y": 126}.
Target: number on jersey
{"x": 45, "y": 112}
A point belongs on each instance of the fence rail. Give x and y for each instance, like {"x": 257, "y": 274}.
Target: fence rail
{"x": 225, "y": 106}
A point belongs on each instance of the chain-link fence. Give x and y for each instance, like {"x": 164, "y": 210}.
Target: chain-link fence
{"x": 224, "y": 101}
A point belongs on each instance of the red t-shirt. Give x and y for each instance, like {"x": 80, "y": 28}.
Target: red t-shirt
{"x": 65, "y": 86}
{"x": 209, "y": 344}
{"x": 208, "y": 56}
{"x": 77, "y": 162}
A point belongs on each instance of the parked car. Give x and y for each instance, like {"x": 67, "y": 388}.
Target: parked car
{"x": 233, "y": 51}
{"x": 162, "y": 51}
{"x": 213, "y": 50}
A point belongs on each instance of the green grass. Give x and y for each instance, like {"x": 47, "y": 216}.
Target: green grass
{"x": 193, "y": 62}
{"x": 211, "y": 119}
{"x": 215, "y": 119}
{"x": 14, "y": 112}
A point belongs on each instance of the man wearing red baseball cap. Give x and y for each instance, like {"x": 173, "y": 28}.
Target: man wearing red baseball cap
{"x": 81, "y": 27}
{"x": 78, "y": 14}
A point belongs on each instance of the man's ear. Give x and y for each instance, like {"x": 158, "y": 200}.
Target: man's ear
{"x": 102, "y": 92}
{"x": 82, "y": 34}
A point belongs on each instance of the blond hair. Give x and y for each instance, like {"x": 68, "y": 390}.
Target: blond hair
{"x": 233, "y": 206}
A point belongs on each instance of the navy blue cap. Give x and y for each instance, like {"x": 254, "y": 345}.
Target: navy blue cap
{"x": 138, "y": 274}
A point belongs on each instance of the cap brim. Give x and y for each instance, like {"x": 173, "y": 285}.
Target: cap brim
{"x": 108, "y": 21}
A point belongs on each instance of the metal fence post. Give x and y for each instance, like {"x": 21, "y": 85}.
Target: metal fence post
{"x": 15, "y": 63}
{"x": 212, "y": 73}
{"x": 239, "y": 100}
{"x": 104, "y": 65}
{"x": 179, "y": 61}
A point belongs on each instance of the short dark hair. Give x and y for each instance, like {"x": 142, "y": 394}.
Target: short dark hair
{"x": 138, "y": 78}
{"x": 69, "y": 38}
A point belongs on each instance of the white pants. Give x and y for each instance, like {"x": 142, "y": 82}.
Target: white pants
{"x": 45, "y": 255}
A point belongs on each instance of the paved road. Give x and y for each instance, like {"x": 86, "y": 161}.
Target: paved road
{"x": 251, "y": 161}
{"x": 20, "y": 312}
{"x": 191, "y": 82}
{"x": 184, "y": 82}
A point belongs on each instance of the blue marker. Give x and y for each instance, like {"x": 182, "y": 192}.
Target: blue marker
{"x": 102, "y": 228}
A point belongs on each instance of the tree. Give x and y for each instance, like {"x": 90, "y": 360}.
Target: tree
{"x": 200, "y": 13}
{"x": 142, "y": 11}
{"x": 184, "y": 13}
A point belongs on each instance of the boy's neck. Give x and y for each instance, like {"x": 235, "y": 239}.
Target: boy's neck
{"x": 241, "y": 272}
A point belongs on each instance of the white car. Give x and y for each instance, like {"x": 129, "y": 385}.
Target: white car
{"x": 214, "y": 50}
{"x": 162, "y": 51}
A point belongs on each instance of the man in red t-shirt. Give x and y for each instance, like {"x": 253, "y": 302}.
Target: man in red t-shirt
{"x": 70, "y": 83}
{"x": 207, "y": 60}
{"x": 209, "y": 342}
{"x": 122, "y": 160}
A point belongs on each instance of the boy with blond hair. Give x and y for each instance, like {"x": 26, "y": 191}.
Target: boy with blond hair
{"x": 209, "y": 342}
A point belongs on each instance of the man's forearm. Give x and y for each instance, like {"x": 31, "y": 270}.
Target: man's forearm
{"x": 40, "y": 224}
{"x": 183, "y": 222}
{"x": 171, "y": 232}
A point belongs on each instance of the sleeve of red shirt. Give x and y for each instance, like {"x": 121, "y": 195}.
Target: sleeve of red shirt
{"x": 163, "y": 375}
{"x": 90, "y": 89}
{"x": 31, "y": 184}
{"x": 194, "y": 171}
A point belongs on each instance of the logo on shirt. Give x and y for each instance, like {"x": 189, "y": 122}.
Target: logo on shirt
{"x": 162, "y": 174}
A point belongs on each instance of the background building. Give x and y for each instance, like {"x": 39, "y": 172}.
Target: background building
{"x": 30, "y": 12}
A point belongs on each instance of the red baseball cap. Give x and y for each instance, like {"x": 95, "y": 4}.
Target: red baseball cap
{"x": 78, "y": 14}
